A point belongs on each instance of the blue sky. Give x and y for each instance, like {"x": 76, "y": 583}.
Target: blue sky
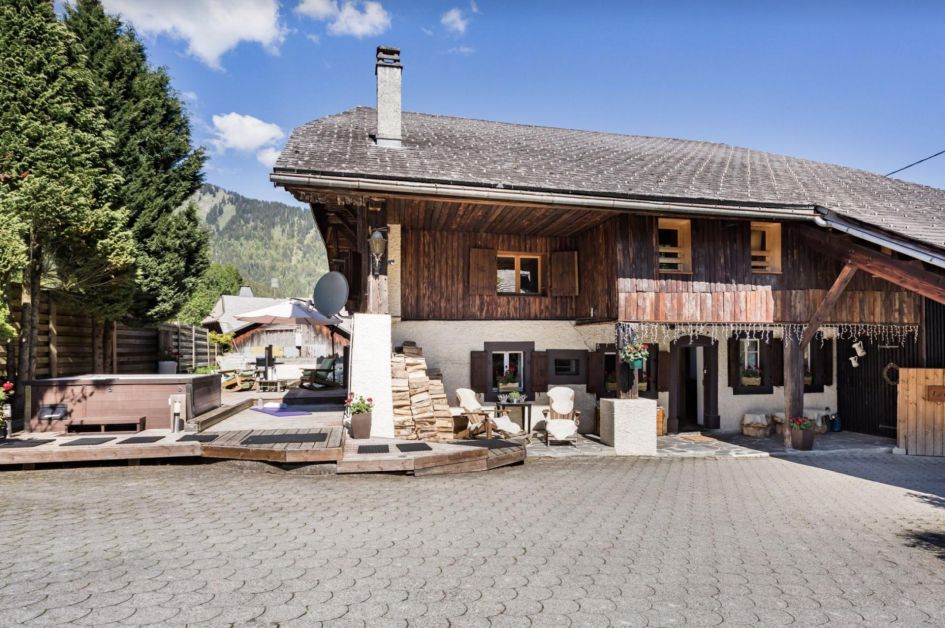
{"x": 856, "y": 83}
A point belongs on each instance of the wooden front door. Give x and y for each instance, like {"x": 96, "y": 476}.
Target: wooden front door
{"x": 679, "y": 370}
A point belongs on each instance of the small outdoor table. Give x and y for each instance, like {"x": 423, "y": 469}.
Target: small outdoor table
{"x": 526, "y": 411}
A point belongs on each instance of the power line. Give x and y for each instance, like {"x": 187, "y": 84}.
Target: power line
{"x": 915, "y": 163}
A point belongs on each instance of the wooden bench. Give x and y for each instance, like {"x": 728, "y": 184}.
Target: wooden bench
{"x": 103, "y": 422}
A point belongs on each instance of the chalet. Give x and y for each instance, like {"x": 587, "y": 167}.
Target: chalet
{"x": 754, "y": 276}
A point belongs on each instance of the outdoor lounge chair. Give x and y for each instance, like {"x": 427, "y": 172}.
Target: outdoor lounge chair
{"x": 482, "y": 419}
{"x": 561, "y": 419}
{"x": 321, "y": 376}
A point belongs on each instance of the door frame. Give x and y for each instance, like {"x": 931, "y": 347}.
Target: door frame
{"x": 710, "y": 394}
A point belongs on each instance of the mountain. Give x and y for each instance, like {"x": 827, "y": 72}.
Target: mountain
{"x": 265, "y": 240}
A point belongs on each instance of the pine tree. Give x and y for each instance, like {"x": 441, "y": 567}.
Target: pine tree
{"x": 155, "y": 155}
{"x": 57, "y": 182}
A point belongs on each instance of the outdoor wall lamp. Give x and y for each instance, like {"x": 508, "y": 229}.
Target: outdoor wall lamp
{"x": 378, "y": 246}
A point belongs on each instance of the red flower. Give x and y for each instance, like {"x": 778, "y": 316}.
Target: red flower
{"x": 7, "y": 386}
{"x": 370, "y": 399}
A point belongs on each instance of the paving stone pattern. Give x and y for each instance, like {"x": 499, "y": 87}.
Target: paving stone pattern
{"x": 576, "y": 542}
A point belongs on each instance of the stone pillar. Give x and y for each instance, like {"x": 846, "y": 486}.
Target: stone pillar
{"x": 629, "y": 426}
{"x": 370, "y": 369}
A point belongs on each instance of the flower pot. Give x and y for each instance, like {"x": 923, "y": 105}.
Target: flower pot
{"x": 361, "y": 425}
{"x": 643, "y": 386}
{"x": 508, "y": 387}
{"x": 802, "y": 439}
{"x": 751, "y": 381}
{"x": 636, "y": 364}
{"x": 167, "y": 367}
{"x": 611, "y": 386}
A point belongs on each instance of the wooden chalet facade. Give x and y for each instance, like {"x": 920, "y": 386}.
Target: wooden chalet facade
{"x": 515, "y": 248}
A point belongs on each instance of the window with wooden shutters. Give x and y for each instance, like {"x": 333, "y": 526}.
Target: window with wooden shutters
{"x": 647, "y": 383}
{"x": 564, "y": 274}
{"x": 749, "y": 362}
{"x": 517, "y": 273}
{"x": 818, "y": 365}
{"x": 482, "y": 271}
{"x": 674, "y": 237}
{"x": 567, "y": 366}
{"x": 765, "y": 247}
{"x": 479, "y": 371}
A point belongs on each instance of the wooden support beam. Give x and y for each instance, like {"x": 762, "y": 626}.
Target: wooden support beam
{"x": 904, "y": 273}
{"x": 823, "y": 310}
{"x": 793, "y": 383}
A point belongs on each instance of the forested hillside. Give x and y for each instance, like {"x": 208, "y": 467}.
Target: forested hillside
{"x": 264, "y": 240}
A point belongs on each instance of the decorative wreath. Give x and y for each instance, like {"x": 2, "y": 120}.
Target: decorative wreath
{"x": 887, "y": 369}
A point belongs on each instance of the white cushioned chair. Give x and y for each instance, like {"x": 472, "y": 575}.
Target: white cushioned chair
{"x": 561, "y": 418}
{"x": 483, "y": 419}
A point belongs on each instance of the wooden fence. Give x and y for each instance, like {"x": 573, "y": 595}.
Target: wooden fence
{"x": 68, "y": 345}
{"x": 921, "y": 412}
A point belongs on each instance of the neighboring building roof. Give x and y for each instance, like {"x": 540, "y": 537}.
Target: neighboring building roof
{"x": 229, "y": 306}
{"x": 463, "y": 151}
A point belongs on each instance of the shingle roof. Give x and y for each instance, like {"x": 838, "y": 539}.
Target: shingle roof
{"x": 477, "y": 152}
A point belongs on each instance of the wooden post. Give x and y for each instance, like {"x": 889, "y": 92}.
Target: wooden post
{"x": 114, "y": 347}
{"x": 193, "y": 348}
{"x": 53, "y": 340}
{"x": 793, "y": 383}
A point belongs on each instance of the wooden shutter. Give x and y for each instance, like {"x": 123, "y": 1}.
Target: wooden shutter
{"x": 482, "y": 271}
{"x": 663, "y": 375}
{"x": 539, "y": 372}
{"x": 595, "y": 373}
{"x": 775, "y": 362}
{"x": 479, "y": 371}
{"x": 822, "y": 361}
{"x": 564, "y": 274}
{"x": 733, "y": 380}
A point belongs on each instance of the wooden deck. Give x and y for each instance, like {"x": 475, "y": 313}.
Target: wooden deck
{"x": 325, "y": 444}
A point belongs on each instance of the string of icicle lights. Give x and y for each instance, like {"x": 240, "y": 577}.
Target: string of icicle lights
{"x": 666, "y": 333}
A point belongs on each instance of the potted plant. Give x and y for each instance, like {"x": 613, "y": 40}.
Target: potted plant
{"x": 751, "y": 376}
{"x": 634, "y": 354}
{"x": 6, "y": 413}
{"x": 167, "y": 362}
{"x": 802, "y": 433}
{"x": 514, "y": 396}
{"x": 508, "y": 381}
{"x": 359, "y": 409}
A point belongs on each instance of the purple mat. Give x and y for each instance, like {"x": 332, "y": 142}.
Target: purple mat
{"x": 281, "y": 412}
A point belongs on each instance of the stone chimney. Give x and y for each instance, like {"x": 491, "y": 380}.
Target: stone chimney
{"x": 388, "y": 70}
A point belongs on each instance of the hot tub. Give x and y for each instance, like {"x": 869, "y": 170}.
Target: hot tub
{"x": 118, "y": 401}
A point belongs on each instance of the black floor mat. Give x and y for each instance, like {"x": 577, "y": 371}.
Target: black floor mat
{"x": 494, "y": 443}
{"x": 275, "y": 439}
{"x": 82, "y": 442}
{"x": 139, "y": 440}
{"x": 200, "y": 438}
{"x": 373, "y": 449}
{"x": 414, "y": 447}
{"x": 30, "y": 442}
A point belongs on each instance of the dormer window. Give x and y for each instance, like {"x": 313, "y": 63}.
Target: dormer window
{"x": 675, "y": 245}
{"x": 765, "y": 247}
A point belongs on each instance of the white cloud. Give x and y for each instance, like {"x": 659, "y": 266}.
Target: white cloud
{"x": 461, "y": 50}
{"x": 189, "y": 96}
{"x": 455, "y": 21}
{"x": 245, "y": 133}
{"x": 315, "y": 38}
{"x": 473, "y": 6}
{"x": 426, "y": 31}
{"x": 210, "y": 27}
{"x": 268, "y": 156}
{"x": 357, "y": 18}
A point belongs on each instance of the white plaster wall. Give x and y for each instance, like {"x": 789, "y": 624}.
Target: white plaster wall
{"x": 447, "y": 344}
{"x": 394, "y": 271}
{"x": 370, "y": 369}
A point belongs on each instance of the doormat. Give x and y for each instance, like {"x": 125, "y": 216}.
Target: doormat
{"x": 200, "y": 438}
{"x": 16, "y": 444}
{"x": 407, "y": 447}
{"x": 373, "y": 449}
{"x": 139, "y": 440}
{"x": 275, "y": 439}
{"x": 281, "y": 412}
{"x": 83, "y": 442}
{"x": 697, "y": 438}
{"x": 494, "y": 443}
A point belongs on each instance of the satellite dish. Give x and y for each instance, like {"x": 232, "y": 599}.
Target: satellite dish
{"x": 331, "y": 293}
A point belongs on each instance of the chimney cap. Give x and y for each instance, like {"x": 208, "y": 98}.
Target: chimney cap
{"x": 388, "y": 56}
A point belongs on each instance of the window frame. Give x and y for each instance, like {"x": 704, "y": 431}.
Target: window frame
{"x": 518, "y": 257}
{"x": 765, "y": 386}
{"x": 772, "y": 250}
{"x": 567, "y": 354}
{"x": 683, "y": 248}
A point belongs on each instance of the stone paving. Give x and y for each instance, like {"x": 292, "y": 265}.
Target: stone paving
{"x": 683, "y": 445}
{"x": 578, "y": 542}
{"x": 831, "y": 442}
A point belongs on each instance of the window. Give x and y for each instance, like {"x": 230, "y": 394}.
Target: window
{"x": 765, "y": 247}
{"x": 507, "y": 371}
{"x": 518, "y": 273}
{"x": 567, "y": 366}
{"x": 749, "y": 361}
{"x": 564, "y": 367}
{"x": 674, "y": 237}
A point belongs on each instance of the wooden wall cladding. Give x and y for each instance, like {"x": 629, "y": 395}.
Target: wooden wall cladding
{"x": 436, "y": 277}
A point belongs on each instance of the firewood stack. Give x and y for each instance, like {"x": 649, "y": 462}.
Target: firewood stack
{"x": 421, "y": 409}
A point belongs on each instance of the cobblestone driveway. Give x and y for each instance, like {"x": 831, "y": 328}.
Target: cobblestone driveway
{"x": 591, "y": 542}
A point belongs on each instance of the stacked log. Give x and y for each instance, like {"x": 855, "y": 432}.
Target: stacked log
{"x": 400, "y": 389}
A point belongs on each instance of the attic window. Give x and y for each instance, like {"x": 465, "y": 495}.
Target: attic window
{"x": 765, "y": 247}
{"x": 675, "y": 245}
{"x": 518, "y": 273}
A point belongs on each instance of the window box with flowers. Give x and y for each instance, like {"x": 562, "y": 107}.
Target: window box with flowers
{"x": 6, "y": 412}
{"x": 751, "y": 376}
{"x": 508, "y": 381}
{"x": 359, "y": 410}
